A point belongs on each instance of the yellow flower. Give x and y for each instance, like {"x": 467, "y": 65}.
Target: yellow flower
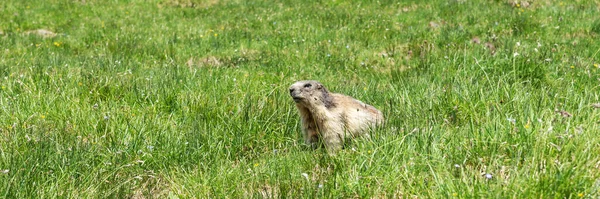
{"x": 580, "y": 195}
{"x": 38, "y": 45}
{"x": 518, "y": 5}
{"x": 454, "y": 194}
{"x": 57, "y": 44}
{"x": 528, "y": 125}
{"x": 79, "y": 83}
{"x": 216, "y": 34}
{"x": 572, "y": 66}
{"x": 3, "y": 87}
{"x": 256, "y": 164}
{"x": 43, "y": 116}
{"x": 596, "y": 65}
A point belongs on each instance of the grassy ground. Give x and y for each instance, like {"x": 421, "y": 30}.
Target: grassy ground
{"x": 188, "y": 99}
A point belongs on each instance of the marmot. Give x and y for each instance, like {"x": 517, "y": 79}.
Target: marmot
{"x": 331, "y": 117}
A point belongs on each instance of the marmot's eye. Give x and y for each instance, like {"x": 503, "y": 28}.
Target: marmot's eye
{"x": 307, "y": 85}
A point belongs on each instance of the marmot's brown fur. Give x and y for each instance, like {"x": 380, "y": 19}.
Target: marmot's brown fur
{"x": 331, "y": 117}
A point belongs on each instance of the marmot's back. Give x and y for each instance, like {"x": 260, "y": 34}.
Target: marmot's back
{"x": 357, "y": 116}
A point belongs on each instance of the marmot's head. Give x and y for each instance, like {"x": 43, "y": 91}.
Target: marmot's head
{"x": 310, "y": 93}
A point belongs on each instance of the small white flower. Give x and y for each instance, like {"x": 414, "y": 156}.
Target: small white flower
{"x": 456, "y": 166}
{"x": 511, "y": 120}
{"x": 488, "y": 176}
{"x": 353, "y": 149}
{"x": 548, "y": 59}
{"x": 347, "y": 47}
{"x": 515, "y": 54}
{"x": 106, "y": 117}
{"x": 535, "y": 49}
{"x": 305, "y": 175}
{"x": 539, "y": 45}
{"x": 518, "y": 43}
{"x": 328, "y": 55}
{"x": 362, "y": 63}
{"x": 320, "y": 186}
{"x": 5, "y": 171}
{"x": 150, "y": 147}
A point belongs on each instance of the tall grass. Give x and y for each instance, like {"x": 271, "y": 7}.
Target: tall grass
{"x": 188, "y": 99}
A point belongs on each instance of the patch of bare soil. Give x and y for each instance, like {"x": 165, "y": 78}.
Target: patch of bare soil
{"x": 189, "y": 3}
{"x": 209, "y": 61}
{"x": 234, "y": 60}
{"x": 153, "y": 187}
{"x": 42, "y": 33}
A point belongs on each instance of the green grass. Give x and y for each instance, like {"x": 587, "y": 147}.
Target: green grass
{"x": 188, "y": 98}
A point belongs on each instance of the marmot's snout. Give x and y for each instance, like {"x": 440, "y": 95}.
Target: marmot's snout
{"x": 295, "y": 95}
{"x": 303, "y": 90}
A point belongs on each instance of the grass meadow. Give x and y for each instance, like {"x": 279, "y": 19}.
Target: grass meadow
{"x": 189, "y": 99}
